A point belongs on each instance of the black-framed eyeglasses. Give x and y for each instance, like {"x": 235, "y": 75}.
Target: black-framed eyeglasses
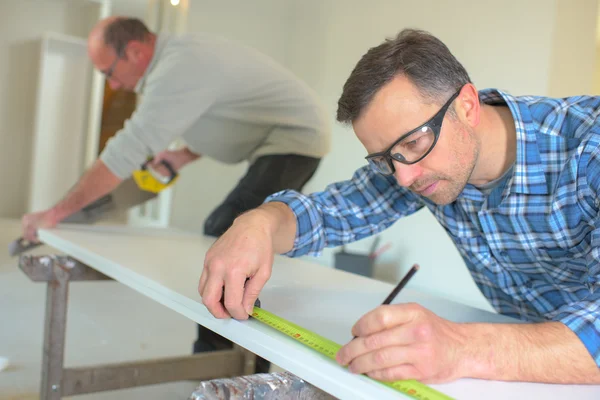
{"x": 109, "y": 72}
{"x": 413, "y": 146}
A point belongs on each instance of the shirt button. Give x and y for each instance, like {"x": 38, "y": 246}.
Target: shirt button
{"x": 503, "y": 254}
{"x": 529, "y": 284}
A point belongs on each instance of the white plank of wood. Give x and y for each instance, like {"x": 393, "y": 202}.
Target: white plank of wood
{"x": 165, "y": 265}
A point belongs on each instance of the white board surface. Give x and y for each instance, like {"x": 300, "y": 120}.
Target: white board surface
{"x": 165, "y": 265}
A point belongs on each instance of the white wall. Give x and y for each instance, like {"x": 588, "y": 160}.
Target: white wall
{"x": 512, "y": 45}
{"x": 574, "y": 37}
{"x": 262, "y": 24}
{"x": 22, "y": 24}
{"x": 129, "y": 8}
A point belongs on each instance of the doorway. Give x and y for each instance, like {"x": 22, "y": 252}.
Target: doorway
{"x": 117, "y": 107}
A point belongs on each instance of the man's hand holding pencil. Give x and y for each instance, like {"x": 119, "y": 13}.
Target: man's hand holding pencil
{"x": 397, "y": 341}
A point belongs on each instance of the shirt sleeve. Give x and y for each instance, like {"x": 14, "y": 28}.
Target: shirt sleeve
{"x": 346, "y": 211}
{"x": 583, "y": 317}
{"x": 177, "y": 92}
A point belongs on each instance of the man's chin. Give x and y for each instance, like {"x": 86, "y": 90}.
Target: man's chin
{"x": 443, "y": 197}
{"x": 442, "y": 201}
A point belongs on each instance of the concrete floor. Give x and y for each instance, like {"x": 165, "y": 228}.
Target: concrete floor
{"x": 107, "y": 322}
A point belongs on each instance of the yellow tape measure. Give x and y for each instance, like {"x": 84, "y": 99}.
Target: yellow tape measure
{"x": 329, "y": 348}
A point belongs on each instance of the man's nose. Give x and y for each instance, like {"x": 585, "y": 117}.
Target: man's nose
{"x": 406, "y": 175}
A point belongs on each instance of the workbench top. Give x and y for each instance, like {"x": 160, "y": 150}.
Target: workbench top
{"x": 165, "y": 265}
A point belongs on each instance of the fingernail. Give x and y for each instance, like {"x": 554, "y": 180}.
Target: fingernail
{"x": 249, "y": 309}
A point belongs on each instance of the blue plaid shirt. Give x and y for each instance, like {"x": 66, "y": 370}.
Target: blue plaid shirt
{"x": 532, "y": 245}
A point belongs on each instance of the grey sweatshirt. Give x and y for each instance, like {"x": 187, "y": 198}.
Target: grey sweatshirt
{"x": 225, "y": 100}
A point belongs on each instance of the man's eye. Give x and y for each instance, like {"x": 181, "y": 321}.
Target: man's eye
{"x": 412, "y": 143}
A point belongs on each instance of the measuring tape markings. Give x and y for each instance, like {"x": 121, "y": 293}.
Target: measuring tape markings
{"x": 329, "y": 348}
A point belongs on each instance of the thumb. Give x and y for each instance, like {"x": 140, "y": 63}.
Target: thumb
{"x": 252, "y": 290}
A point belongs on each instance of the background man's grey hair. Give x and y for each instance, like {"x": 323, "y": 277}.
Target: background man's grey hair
{"x": 418, "y": 55}
{"x": 122, "y": 31}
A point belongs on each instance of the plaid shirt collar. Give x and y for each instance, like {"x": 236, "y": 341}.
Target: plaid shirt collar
{"x": 528, "y": 173}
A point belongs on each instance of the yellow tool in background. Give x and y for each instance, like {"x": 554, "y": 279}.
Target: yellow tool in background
{"x": 151, "y": 181}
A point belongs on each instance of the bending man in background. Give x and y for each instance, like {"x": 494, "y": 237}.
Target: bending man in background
{"x": 226, "y": 101}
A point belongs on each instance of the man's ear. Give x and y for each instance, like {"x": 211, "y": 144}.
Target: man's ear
{"x": 134, "y": 51}
{"x": 467, "y": 105}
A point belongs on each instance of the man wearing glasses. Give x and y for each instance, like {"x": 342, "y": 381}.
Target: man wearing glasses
{"x": 226, "y": 101}
{"x": 515, "y": 181}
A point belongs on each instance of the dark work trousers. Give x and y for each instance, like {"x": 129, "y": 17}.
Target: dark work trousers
{"x": 267, "y": 175}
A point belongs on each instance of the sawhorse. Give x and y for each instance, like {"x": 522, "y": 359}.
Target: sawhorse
{"x": 58, "y": 381}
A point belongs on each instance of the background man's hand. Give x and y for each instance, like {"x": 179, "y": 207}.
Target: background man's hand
{"x": 34, "y": 221}
{"x": 177, "y": 158}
